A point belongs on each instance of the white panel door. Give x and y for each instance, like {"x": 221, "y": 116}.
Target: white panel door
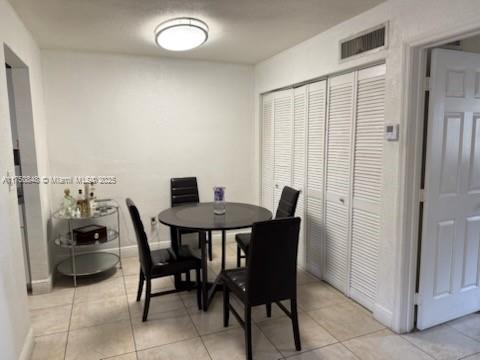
{"x": 299, "y": 162}
{"x": 449, "y": 265}
{"x": 367, "y": 184}
{"x": 341, "y": 95}
{"x": 267, "y": 152}
{"x": 316, "y": 110}
{"x": 283, "y": 139}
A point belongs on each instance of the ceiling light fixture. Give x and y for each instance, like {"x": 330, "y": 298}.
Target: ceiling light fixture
{"x": 181, "y": 34}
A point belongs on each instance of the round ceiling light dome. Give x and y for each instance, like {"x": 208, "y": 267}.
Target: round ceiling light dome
{"x": 181, "y": 34}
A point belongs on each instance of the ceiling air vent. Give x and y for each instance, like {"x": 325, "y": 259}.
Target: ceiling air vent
{"x": 373, "y": 39}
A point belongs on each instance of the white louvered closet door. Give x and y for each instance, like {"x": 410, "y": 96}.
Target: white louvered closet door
{"x": 367, "y": 184}
{"x": 316, "y": 111}
{"x": 299, "y": 162}
{"x": 283, "y": 139}
{"x": 267, "y": 152}
{"x": 341, "y": 95}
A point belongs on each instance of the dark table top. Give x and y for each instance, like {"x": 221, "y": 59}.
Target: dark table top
{"x": 201, "y": 217}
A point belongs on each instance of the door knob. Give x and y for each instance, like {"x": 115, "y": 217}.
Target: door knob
{"x": 342, "y": 200}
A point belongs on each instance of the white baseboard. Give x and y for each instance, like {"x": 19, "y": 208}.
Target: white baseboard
{"x": 132, "y": 250}
{"x": 42, "y": 286}
{"x": 362, "y": 299}
{"x": 28, "y": 345}
{"x": 380, "y": 313}
{"x": 383, "y": 315}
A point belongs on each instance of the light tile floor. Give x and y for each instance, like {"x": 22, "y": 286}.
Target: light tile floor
{"x": 100, "y": 319}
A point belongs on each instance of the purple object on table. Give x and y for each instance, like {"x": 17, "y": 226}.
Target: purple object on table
{"x": 219, "y": 198}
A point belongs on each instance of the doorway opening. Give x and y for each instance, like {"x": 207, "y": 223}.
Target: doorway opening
{"x": 25, "y": 158}
{"x": 447, "y": 278}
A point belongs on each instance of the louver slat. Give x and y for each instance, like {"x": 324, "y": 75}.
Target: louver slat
{"x": 336, "y": 245}
{"x": 316, "y": 136}
{"x": 316, "y": 105}
{"x": 369, "y": 144}
{"x": 299, "y": 160}
{"x": 267, "y": 152}
{"x": 282, "y": 142}
{"x": 367, "y": 185}
{"x": 339, "y": 127}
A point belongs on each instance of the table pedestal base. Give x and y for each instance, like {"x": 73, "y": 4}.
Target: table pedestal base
{"x": 208, "y": 288}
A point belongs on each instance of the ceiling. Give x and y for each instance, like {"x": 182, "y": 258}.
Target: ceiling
{"x": 241, "y": 31}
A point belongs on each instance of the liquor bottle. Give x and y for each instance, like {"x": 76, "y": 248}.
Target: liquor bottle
{"x": 82, "y": 204}
{"x": 92, "y": 202}
{"x": 69, "y": 203}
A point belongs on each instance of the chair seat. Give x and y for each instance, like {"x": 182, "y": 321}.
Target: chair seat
{"x": 243, "y": 241}
{"x": 236, "y": 279}
{"x": 166, "y": 262}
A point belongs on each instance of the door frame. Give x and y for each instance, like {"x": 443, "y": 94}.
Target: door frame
{"x": 411, "y": 158}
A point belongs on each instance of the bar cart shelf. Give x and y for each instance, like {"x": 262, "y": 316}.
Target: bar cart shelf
{"x": 84, "y": 261}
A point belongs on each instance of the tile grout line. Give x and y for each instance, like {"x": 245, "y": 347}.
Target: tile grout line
{"x": 99, "y": 324}
{"x": 344, "y": 340}
{"x": 166, "y": 344}
{"x": 461, "y": 332}
{"x": 130, "y": 315}
{"x": 419, "y": 348}
{"x": 342, "y": 343}
{"x": 195, "y": 326}
{"x": 301, "y": 351}
{"x": 356, "y": 337}
{"x": 266, "y": 337}
{"x": 433, "y": 357}
{"x": 350, "y": 351}
{"x": 115, "y": 356}
{"x": 169, "y": 343}
{"x": 70, "y": 322}
{"x": 467, "y": 356}
{"x": 412, "y": 344}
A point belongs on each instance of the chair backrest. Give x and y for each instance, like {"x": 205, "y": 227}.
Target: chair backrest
{"x": 183, "y": 191}
{"x": 288, "y": 203}
{"x": 142, "y": 241}
{"x": 272, "y": 261}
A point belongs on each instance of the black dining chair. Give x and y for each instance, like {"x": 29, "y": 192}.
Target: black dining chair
{"x": 286, "y": 208}
{"x": 185, "y": 191}
{"x": 270, "y": 277}
{"x": 160, "y": 263}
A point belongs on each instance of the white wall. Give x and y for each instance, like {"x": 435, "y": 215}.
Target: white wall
{"x": 145, "y": 120}
{"x": 410, "y": 20}
{"x": 15, "y": 330}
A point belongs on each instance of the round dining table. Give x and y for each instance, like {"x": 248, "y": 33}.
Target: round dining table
{"x": 201, "y": 217}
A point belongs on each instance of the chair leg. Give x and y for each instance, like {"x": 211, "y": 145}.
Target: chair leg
{"x": 248, "y": 332}
{"x": 239, "y": 256}
{"x": 140, "y": 285}
{"x": 226, "y": 305}
{"x": 296, "y": 330}
{"x": 148, "y": 293}
{"x": 210, "y": 246}
{"x": 188, "y": 280}
{"x": 269, "y": 309}
{"x": 199, "y": 289}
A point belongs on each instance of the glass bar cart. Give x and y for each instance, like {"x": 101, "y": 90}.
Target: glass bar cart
{"x": 84, "y": 263}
